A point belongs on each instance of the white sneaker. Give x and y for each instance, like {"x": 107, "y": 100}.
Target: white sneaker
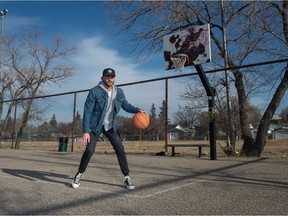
{"x": 76, "y": 180}
{"x": 128, "y": 183}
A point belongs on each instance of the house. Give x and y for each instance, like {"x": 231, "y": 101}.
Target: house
{"x": 177, "y": 132}
{"x": 255, "y": 131}
{"x": 280, "y": 133}
{"x": 275, "y": 132}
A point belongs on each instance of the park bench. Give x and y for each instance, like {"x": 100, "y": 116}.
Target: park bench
{"x": 173, "y": 146}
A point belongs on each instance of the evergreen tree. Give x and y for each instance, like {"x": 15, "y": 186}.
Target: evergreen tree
{"x": 53, "y": 122}
{"x": 78, "y": 124}
{"x": 43, "y": 132}
{"x": 162, "y": 114}
{"x": 153, "y": 112}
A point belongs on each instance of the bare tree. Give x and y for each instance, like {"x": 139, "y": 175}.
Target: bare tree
{"x": 284, "y": 115}
{"x": 187, "y": 116}
{"x": 258, "y": 146}
{"x": 277, "y": 31}
{"x": 35, "y": 65}
{"x": 195, "y": 98}
{"x": 247, "y": 24}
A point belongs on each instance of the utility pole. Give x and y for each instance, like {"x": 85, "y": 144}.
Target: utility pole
{"x": 230, "y": 131}
{"x": 2, "y": 14}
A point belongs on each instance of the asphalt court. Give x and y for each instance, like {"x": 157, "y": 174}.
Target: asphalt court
{"x": 38, "y": 183}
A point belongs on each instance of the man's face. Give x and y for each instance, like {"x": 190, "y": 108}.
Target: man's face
{"x": 108, "y": 80}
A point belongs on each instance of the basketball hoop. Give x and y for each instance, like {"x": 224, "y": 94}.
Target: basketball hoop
{"x": 194, "y": 41}
{"x": 179, "y": 60}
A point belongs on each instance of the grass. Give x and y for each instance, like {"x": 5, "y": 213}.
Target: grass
{"x": 273, "y": 148}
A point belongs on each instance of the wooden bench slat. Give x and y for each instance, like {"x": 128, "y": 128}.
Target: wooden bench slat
{"x": 187, "y": 145}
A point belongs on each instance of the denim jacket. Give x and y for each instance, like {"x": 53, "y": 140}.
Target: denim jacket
{"x": 96, "y": 105}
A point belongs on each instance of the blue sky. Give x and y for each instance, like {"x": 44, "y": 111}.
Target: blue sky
{"x": 85, "y": 24}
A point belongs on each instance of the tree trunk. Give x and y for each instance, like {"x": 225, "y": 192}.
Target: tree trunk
{"x": 258, "y": 146}
{"x": 23, "y": 124}
{"x": 1, "y": 110}
{"x": 242, "y": 98}
{"x": 243, "y": 107}
{"x": 1, "y": 104}
{"x": 5, "y": 121}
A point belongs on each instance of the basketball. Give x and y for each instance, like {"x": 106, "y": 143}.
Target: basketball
{"x": 141, "y": 120}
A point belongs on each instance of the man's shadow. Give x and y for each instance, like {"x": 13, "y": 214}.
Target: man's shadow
{"x": 32, "y": 175}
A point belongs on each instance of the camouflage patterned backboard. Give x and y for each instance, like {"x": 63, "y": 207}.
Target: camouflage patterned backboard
{"x": 192, "y": 45}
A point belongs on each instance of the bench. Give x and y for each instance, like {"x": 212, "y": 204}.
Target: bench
{"x": 173, "y": 146}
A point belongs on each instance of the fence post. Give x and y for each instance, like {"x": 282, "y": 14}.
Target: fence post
{"x": 166, "y": 117}
{"x": 73, "y": 125}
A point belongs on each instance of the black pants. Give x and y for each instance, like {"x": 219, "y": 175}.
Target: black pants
{"x": 115, "y": 140}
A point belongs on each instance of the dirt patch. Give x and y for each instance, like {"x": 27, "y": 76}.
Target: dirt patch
{"x": 276, "y": 149}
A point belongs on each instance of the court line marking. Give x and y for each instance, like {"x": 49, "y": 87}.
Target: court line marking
{"x": 144, "y": 196}
{"x": 124, "y": 192}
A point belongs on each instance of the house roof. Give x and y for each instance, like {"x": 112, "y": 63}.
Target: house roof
{"x": 178, "y": 127}
{"x": 282, "y": 129}
{"x": 275, "y": 126}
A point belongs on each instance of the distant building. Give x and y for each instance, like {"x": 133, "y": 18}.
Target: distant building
{"x": 280, "y": 133}
{"x": 276, "y": 131}
{"x": 177, "y": 132}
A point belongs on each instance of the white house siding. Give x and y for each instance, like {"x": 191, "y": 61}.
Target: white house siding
{"x": 174, "y": 136}
{"x": 281, "y": 134}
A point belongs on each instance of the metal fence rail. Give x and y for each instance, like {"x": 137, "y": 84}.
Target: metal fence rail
{"x": 166, "y": 79}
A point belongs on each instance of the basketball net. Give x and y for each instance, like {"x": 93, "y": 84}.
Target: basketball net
{"x": 179, "y": 60}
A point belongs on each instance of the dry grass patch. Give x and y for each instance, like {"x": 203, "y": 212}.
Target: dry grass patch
{"x": 273, "y": 148}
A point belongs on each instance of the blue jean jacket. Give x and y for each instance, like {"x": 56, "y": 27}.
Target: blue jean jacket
{"x": 96, "y": 105}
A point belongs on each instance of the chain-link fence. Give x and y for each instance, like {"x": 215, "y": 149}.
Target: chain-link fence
{"x": 68, "y": 108}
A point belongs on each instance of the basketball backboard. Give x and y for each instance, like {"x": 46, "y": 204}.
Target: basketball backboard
{"x": 189, "y": 47}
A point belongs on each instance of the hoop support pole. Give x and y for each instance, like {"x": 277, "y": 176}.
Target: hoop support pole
{"x": 211, "y": 110}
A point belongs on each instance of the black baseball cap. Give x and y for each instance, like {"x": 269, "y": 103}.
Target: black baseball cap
{"x": 109, "y": 72}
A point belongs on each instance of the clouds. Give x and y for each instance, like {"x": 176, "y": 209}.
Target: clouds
{"x": 94, "y": 55}
{"x": 97, "y": 50}
{"x": 13, "y": 22}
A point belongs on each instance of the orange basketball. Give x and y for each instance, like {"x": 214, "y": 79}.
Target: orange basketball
{"x": 141, "y": 120}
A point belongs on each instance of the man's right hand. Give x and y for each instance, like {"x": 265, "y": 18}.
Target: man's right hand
{"x": 85, "y": 139}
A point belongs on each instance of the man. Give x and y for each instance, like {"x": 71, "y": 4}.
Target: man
{"x": 102, "y": 104}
